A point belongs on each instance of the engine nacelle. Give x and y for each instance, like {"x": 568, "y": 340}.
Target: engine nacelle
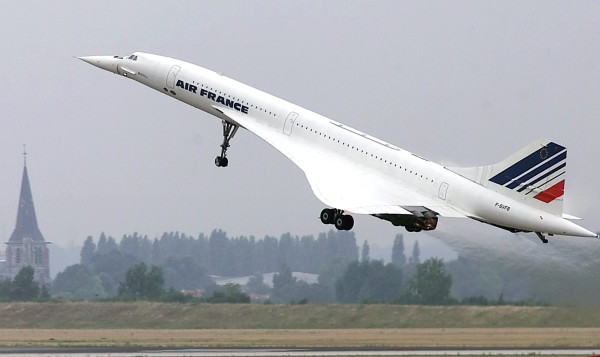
{"x": 423, "y": 221}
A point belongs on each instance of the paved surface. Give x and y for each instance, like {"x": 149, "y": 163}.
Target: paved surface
{"x": 141, "y": 352}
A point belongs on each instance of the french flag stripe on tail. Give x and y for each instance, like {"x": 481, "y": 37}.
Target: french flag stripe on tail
{"x": 546, "y": 164}
{"x": 552, "y": 193}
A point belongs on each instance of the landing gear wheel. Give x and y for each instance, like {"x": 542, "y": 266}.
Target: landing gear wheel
{"x": 229, "y": 131}
{"x": 344, "y": 222}
{"x": 221, "y": 161}
{"x": 337, "y": 217}
{"x": 327, "y": 216}
{"x": 348, "y": 222}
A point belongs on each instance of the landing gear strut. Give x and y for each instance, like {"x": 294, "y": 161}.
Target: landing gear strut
{"x": 229, "y": 131}
{"x": 341, "y": 221}
{"x": 541, "y": 237}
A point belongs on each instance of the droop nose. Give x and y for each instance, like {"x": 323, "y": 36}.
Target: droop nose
{"x": 108, "y": 63}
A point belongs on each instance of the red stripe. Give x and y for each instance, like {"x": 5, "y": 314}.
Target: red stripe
{"x": 552, "y": 193}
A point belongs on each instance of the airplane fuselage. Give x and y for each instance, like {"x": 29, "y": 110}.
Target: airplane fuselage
{"x": 303, "y": 133}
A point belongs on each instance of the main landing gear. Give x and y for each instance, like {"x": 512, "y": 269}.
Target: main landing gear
{"x": 229, "y": 131}
{"x": 541, "y": 237}
{"x": 341, "y": 221}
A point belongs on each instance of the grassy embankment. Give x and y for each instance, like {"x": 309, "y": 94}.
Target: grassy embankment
{"x": 140, "y": 315}
{"x": 327, "y": 325}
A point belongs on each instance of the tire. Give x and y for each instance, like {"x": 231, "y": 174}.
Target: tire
{"x": 327, "y": 216}
{"x": 348, "y": 222}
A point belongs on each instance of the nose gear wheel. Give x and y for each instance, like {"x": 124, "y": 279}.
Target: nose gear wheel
{"x": 229, "y": 131}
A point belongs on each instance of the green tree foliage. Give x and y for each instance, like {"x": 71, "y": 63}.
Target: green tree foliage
{"x": 229, "y": 293}
{"x": 185, "y": 272}
{"x": 330, "y": 274}
{"x": 288, "y": 289}
{"x": 106, "y": 244}
{"x": 257, "y": 285}
{"x": 187, "y": 262}
{"x": 77, "y": 282}
{"x": 141, "y": 284}
{"x": 88, "y": 251}
{"x": 398, "y": 257}
{"x": 430, "y": 285}
{"x": 24, "y": 287}
{"x": 369, "y": 280}
{"x": 416, "y": 254}
{"x": 284, "y": 285}
{"x": 365, "y": 251}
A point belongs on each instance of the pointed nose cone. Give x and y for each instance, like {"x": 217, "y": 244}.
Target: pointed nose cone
{"x": 108, "y": 63}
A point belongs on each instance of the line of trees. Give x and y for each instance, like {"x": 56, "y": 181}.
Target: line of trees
{"x": 188, "y": 262}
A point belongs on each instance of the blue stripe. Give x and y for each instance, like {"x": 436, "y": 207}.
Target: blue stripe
{"x": 539, "y": 170}
{"x": 527, "y": 163}
{"x": 559, "y": 167}
{"x": 545, "y": 183}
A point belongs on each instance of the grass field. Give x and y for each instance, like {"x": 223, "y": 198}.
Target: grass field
{"x": 313, "y": 325}
{"x": 142, "y": 315}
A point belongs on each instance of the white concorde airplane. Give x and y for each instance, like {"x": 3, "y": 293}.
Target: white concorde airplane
{"x": 352, "y": 172}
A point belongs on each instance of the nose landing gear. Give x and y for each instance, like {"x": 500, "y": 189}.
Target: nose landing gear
{"x": 229, "y": 131}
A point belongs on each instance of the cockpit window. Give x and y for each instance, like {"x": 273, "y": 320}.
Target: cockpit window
{"x": 132, "y": 57}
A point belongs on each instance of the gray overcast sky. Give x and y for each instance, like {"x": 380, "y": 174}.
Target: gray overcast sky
{"x": 461, "y": 83}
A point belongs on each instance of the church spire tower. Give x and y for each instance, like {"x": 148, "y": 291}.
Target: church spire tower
{"x": 27, "y": 246}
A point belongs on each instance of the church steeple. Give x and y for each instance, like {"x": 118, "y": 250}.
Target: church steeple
{"x": 26, "y": 220}
{"x": 27, "y": 246}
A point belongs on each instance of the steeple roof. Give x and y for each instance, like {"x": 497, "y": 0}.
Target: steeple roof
{"x": 27, "y": 226}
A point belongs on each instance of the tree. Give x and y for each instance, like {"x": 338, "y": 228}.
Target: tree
{"x": 76, "y": 281}
{"x": 369, "y": 280}
{"x": 24, "y": 288}
{"x": 330, "y": 273}
{"x": 430, "y": 285}
{"x": 106, "y": 245}
{"x": 364, "y": 252}
{"x": 88, "y": 251}
{"x": 398, "y": 258}
{"x": 416, "y": 252}
{"x": 184, "y": 273}
{"x": 142, "y": 285}
{"x": 229, "y": 293}
{"x": 111, "y": 268}
{"x": 257, "y": 285}
{"x": 283, "y": 285}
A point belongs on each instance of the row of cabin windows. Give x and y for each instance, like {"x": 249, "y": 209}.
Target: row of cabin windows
{"x": 234, "y": 98}
{"x": 358, "y": 149}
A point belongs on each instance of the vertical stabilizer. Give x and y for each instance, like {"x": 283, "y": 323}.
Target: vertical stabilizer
{"x": 534, "y": 175}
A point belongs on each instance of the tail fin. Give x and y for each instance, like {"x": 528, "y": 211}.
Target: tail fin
{"x": 534, "y": 175}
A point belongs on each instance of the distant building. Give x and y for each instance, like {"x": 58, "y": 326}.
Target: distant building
{"x": 27, "y": 246}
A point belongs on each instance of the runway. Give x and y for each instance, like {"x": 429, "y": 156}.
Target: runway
{"x": 144, "y": 352}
